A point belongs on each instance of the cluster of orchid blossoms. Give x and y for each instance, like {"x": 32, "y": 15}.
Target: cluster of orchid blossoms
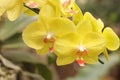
{"x": 62, "y": 29}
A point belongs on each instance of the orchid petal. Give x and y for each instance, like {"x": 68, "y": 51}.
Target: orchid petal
{"x": 33, "y": 35}
{"x": 94, "y": 43}
{"x": 112, "y": 40}
{"x": 61, "y": 26}
{"x": 66, "y": 45}
{"x": 65, "y": 60}
{"x": 84, "y": 27}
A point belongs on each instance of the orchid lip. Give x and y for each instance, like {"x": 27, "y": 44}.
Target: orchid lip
{"x": 51, "y": 49}
{"x": 82, "y": 51}
{"x": 80, "y": 61}
{"x": 49, "y": 38}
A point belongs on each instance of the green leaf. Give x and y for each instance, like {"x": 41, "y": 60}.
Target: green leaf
{"x": 13, "y": 42}
{"x": 20, "y": 55}
{"x": 50, "y": 58}
{"x": 44, "y": 71}
{"x": 9, "y": 28}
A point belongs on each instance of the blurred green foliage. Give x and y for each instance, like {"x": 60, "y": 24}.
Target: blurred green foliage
{"x": 108, "y": 10}
{"x": 13, "y": 48}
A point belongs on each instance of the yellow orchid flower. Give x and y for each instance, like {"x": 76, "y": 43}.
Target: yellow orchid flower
{"x": 112, "y": 40}
{"x": 62, "y": 7}
{"x": 84, "y": 46}
{"x": 41, "y": 36}
{"x": 14, "y": 8}
{"x": 65, "y": 8}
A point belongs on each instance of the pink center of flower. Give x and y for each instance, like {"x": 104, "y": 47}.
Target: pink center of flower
{"x": 81, "y": 51}
{"x": 49, "y": 38}
{"x": 32, "y": 4}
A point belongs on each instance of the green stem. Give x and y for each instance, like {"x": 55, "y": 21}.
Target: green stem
{"x": 36, "y": 10}
{"x": 101, "y": 61}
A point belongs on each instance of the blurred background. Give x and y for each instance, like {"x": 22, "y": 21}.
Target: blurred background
{"x": 19, "y": 62}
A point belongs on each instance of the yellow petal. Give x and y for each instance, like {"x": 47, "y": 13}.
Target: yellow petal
{"x": 28, "y": 11}
{"x": 56, "y": 5}
{"x": 33, "y": 35}
{"x": 7, "y": 4}
{"x": 61, "y": 26}
{"x": 65, "y": 60}
{"x": 112, "y": 40}
{"x": 100, "y": 25}
{"x": 94, "y": 43}
{"x": 14, "y": 12}
{"x": 47, "y": 12}
{"x": 40, "y": 3}
{"x": 84, "y": 27}
{"x": 55, "y": 2}
{"x": 88, "y": 16}
{"x": 106, "y": 54}
{"x": 78, "y": 16}
{"x": 43, "y": 50}
{"x": 90, "y": 60}
{"x": 66, "y": 45}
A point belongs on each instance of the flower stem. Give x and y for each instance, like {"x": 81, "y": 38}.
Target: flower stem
{"x": 101, "y": 61}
